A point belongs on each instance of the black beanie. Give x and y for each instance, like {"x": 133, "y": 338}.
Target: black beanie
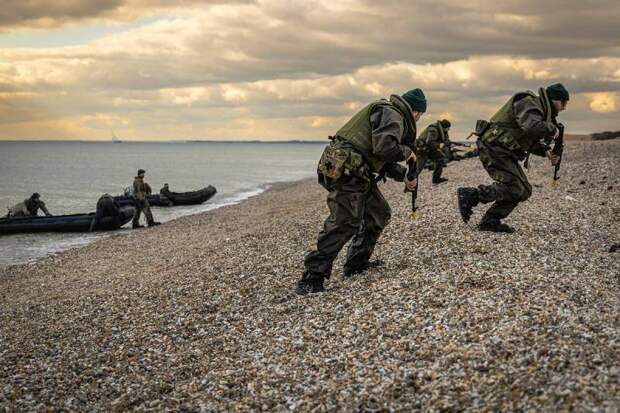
{"x": 141, "y": 171}
{"x": 416, "y": 99}
{"x": 445, "y": 123}
{"x": 557, "y": 92}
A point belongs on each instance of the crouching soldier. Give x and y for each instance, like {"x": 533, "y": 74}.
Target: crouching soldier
{"x": 525, "y": 125}
{"x": 370, "y": 143}
{"x": 29, "y": 207}
{"x": 140, "y": 201}
{"x": 432, "y": 144}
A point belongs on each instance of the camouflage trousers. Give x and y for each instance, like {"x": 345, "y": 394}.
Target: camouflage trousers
{"x": 357, "y": 211}
{"x": 421, "y": 160}
{"x": 511, "y": 185}
{"x": 141, "y": 205}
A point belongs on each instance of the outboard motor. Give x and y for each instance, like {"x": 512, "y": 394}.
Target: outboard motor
{"x": 107, "y": 207}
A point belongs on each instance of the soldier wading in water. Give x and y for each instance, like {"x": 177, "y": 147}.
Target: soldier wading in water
{"x": 525, "y": 124}
{"x": 371, "y": 143}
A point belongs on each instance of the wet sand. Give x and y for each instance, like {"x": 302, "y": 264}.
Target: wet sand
{"x": 199, "y": 314}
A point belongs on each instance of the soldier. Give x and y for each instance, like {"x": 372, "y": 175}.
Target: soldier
{"x": 434, "y": 144}
{"x": 166, "y": 194}
{"x": 140, "y": 201}
{"x": 29, "y": 207}
{"x": 525, "y": 124}
{"x": 377, "y": 137}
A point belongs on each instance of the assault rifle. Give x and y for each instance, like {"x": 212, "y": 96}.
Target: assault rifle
{"x": 558, "y": 149}
{"x": 411, "y": 175}
{"x": 398, "y": 173}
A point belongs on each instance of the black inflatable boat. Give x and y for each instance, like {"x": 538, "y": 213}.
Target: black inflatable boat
{"x": 178, "y": 198}
{"x": 63, "y": 223}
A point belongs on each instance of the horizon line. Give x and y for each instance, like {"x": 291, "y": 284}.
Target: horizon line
{"x": 170, "y": 140}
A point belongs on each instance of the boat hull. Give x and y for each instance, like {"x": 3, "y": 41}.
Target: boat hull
{"x": 63, "y": 223}
{"x": 179, "y": 198}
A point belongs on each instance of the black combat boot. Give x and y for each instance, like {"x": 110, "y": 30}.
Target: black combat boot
{"x": 154, "y": 223}
{"x": 439, "y": 181}
{"x": 136, "y": 226}
{"x": 309, "y": 284}
{"x": 494, "y": 225}
{"x": 468, "y": 199}
{"x": 351, "y": 271}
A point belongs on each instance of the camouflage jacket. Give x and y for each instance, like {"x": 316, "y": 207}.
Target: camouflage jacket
{"x": 140, "y": 188}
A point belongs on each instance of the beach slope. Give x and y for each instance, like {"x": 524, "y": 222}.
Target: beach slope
{"x": 200, "y": 314}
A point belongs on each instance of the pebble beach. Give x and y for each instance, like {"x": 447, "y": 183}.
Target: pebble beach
{"x": 199, "y": 314}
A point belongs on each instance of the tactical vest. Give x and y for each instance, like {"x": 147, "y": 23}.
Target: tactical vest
{"x": 504, "y": 129}
{"x": 422, "y": 145}
{"x": 358, "y": 131}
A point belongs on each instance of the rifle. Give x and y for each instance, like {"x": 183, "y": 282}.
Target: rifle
{"x": 411, "y": 175}
{"x": 558, "y": 149}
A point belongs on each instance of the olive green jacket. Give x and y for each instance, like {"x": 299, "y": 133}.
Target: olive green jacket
{"x": 432, "y": 141}
{"x": 525, "y": 124}
{"x": 382, "y": 132}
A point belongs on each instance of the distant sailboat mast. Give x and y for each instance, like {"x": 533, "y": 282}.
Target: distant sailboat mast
{"x": 115, "y": 138}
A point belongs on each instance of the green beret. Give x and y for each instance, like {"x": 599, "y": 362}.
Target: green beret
{"x": 557, "y": 92}
{"x": 445, "y": 123}
{"x": 416, "y": 99}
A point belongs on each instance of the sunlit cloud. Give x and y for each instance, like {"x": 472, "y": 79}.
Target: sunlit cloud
{"x": 604, "y": 102}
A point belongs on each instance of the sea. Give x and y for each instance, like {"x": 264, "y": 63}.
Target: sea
{"x": 71, "y": 176}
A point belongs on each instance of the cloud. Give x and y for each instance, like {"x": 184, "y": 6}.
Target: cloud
{"x": 314, "y": 107}
{"x": 238, "y": 68}
{"x": 16, "y": 14}
{"x": 50, "y": 13}
{"x": 604, "y": 102}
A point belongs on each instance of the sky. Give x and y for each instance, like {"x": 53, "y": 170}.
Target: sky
{"x": 290, "y": 69}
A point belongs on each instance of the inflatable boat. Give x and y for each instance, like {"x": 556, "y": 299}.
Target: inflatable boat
{"x": 63, "y": 223}
{"x": 178, "y": 198}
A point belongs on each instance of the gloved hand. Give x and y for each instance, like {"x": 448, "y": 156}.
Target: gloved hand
{"x": 396, "y": 172}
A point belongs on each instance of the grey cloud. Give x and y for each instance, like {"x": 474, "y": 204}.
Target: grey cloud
{"x": 421, "y": 32}
{"x": 19, "y": 12}
{"x": 311, "y": 40}
{"x": 15, "y": 14}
